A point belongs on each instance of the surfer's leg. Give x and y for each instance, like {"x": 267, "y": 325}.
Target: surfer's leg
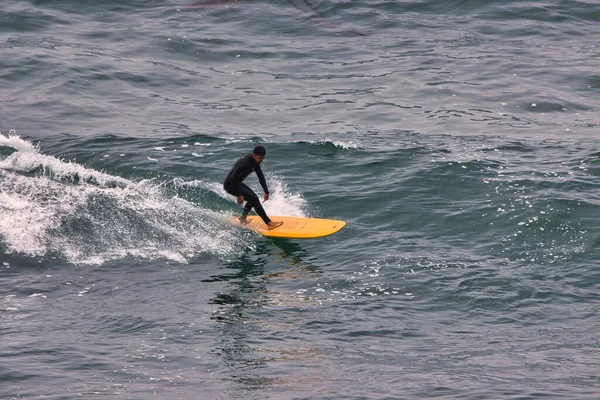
{"x": 246, "y": 211}
{"x": 252, "y": 201}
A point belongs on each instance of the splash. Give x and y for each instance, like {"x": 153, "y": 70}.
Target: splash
{"x": 341, "y": 144}
{"x": 282, "y": 202}
{"x": 52, "y": 207}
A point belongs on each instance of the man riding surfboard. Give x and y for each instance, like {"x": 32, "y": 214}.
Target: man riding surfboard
{"x": 234, "y": 186}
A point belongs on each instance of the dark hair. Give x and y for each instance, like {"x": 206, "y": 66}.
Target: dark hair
{"x": 259, "y": 151}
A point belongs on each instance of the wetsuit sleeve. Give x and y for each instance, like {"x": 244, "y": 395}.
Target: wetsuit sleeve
{"x": 261, "y": 178}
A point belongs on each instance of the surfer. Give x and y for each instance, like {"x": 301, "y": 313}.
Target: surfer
{"x": 234, "y": 186}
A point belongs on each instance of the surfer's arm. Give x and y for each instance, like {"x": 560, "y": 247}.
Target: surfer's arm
{"x": 261, "y": 179}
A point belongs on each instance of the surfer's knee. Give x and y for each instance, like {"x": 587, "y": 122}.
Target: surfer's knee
{"x": 252, "y": 198}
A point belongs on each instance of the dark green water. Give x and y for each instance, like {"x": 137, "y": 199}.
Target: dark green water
{"x": 459, "y": 140}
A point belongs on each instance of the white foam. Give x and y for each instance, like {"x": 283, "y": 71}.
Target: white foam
{"x": 343, "y": 144}
{"x": 51, "y": 206}
{"x": 282, "y": 201}
{"x": 27, "y": 158}
{"x": 14, "y": 141}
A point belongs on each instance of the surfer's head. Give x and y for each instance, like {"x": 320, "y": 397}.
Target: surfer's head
{"x": 259, "y": 154}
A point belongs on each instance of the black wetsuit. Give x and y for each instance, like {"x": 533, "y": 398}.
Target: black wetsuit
{"x": 233, "y": 185}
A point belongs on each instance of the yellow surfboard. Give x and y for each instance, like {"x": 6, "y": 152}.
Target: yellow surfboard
{"x": 293, "y": 227}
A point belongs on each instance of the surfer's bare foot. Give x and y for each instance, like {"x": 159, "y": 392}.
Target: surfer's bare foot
{"x": 274, "y": 224}
{"x": 244, "y": 221}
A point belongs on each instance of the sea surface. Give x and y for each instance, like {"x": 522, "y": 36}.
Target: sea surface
{"x": 459, "y": 140}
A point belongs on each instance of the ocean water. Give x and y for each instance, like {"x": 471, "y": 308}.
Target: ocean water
{"x": 459, "y": 140}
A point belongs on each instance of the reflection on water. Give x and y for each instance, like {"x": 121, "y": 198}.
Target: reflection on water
{"x": 258, "y": 317}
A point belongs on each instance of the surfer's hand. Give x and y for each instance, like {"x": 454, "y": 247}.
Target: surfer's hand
{"x": 266, "y": 196}
{"x": 240, "y": 199}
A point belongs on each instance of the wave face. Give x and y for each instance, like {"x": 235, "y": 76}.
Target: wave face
{"x": 50, "y": 206}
